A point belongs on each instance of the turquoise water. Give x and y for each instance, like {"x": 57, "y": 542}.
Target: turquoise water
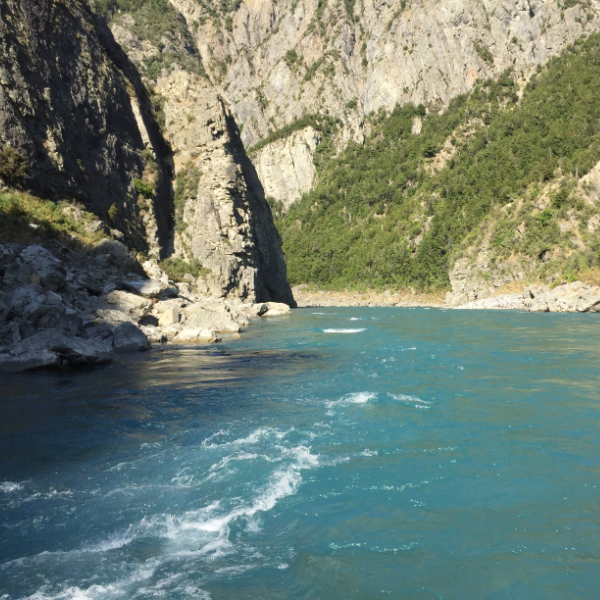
{"x": 419, "y": 454}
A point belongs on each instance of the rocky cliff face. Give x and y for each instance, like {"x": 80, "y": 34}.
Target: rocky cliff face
{"x": 275, "y": 61}
{"x": 73, "y": 105}
{"x": 286, "y": 167}
{"x": 222, "y": 217}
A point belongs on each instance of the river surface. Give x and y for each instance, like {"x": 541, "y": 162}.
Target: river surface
{"x": 333, "y": 454}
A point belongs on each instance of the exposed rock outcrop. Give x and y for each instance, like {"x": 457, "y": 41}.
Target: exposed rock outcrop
{"x": 78, "y": 120}
{"x": 50, "y": 317}
{"x": 571, "y": 297}
{"x": 275, "y": 62}
{"x": 74, "y": 106}
{"x": 286, "y": 168}
{"x": 223, "y": 220}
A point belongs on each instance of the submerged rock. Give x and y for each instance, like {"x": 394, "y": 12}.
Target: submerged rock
{"x": 51, "y": 348}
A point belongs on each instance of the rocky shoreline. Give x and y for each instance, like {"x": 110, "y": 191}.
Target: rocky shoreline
{"x": 61, "y": 308}
{"x": 570, "y": 297}
{"x": 307, "y": 297}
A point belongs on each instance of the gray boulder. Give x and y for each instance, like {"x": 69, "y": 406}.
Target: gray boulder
{"x": 191, "y": 335}
{"x": 128, "y": 303}
{"x": 149, "y": 288}
{"x": 276, "y": 309}
{"x": 216, "y": 318}
{"x": 35, "y": 309}
{"x": 4, "y": 310}
{"x": 51, "y": 348}
{"x": 129, "y": 338}
{"x": 44, "y": 359}
{"x": 114, "y": 318}
{"x": 48, "y": 271}
{"x": 116, "y": 254}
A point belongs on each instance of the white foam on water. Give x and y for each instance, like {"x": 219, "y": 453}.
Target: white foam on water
{"x": 195, "y": 592}
{"x": 412, "y": 485}
{"x": 413, "y": 400}
{"x": 354, "y": 319}
{"x": 253, "y": 438}
{"x": 8, "y": 487}
{"x": 113, "y": 542}
{"x": 368, "y": 453}
{"x": 332, "y": 462}
{"x": 358, "y": 398}
{"x": 119, "y": 589}
{"x": 283, "y": 483}
{"x": 235, "y": 456}
{"x": 318, "y": 313}
{"x": 71, "y": 593}
{"x": 344, "y": 330}
{"x": 204, "y": 534}
{"x": 234, "y": 570}
{"x": 51, "y": 495}
{"x": 206, "y": 531}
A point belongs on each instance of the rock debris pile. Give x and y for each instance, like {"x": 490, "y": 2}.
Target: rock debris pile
{"x": 59, "y": 307}
{"x": 570, "y": 297}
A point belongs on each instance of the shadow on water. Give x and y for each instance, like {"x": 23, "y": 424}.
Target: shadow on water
{"x": 166, "y": 385}
{"x": 429, "y": 454}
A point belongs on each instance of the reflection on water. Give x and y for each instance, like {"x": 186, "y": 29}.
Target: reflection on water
{"x": 426, "y": 454}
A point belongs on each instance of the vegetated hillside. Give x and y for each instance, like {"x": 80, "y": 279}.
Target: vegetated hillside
{"x": 274, "y": 63}
{"x": 491, "y": 173}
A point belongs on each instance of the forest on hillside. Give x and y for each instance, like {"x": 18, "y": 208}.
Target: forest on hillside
{"x": 399, "y": 209}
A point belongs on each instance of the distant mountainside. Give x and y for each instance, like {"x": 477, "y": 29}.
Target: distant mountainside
{"x": 274, "y": 63}
{"x": 501, "y": 187}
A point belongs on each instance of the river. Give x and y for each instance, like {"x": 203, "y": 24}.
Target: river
{"x": 337, "y": 453}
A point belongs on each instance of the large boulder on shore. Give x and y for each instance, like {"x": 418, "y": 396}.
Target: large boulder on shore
{"x": 128, "y": 303}
{"x": 195, "y": 335}
{"x": 149, "y": 288}
{"x": 276, "y": 309}
{"x": 213, "y": 318}
{"x": 129, "y": 338}
{"x": 51, "y": 348}
{"x": 36, "y": 265}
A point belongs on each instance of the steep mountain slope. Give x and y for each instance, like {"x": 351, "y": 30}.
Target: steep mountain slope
{"x": 221, "y": 216}
{"x": 74, "y": 107}
{"x": 496, "y": 189}
{"x": 274, "y": 62}
{"x": 78, "y": 124}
